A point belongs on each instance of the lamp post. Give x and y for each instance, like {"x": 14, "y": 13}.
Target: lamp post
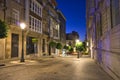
{"x": 77, "y": 41}
{"x": 78, "y": 46}
{"x": 22, "y": 26}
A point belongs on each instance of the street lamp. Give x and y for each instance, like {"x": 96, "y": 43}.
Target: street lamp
{"x": 78, "y": 45}
{"x": 22, "y": 26}
{"x": 77, "y": 41}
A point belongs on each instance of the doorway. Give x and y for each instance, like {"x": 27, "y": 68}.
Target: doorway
{"x": 15, "y": 45}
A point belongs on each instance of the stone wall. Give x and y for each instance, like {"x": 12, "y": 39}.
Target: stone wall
{"x": 2, "y": 48}
{"x": 109, "y": 53}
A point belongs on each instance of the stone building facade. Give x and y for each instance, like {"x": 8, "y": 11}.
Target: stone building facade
{"x": 42, "y": 26}
{"x": 62, "y": 27}
{"x": 33, "y": 19}
{"x": 71, "y": 38}
{"x": 51, "y": 24}
{"x": 13, "y": 14}
{"x": 103, "y": 30}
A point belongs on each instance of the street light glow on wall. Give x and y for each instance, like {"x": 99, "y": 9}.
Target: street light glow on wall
{"x": 87, "y": 44}
{"x": 77, "y": 40}
{"x": 22, "y": 26}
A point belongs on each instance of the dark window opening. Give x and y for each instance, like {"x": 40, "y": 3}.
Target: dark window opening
{"x": 31, "y": 46}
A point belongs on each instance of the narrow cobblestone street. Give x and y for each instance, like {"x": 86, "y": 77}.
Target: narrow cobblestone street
{"x": 68, "y": 68}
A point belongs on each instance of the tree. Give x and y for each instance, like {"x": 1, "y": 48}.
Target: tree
{"x": 59, "y": 46}
{"x": 66, "y": 47}
{"x": 70, "y": 49}
{"x": 52, "y": 44}
{"x": 3, "y": 29}
{"x": 84, "y": 45}
{"x": 80, "y": 46}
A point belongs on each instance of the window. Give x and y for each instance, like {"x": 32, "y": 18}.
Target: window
{"x": 30, "y": 20}
{"x": 15, "y": 17}
{"x": 43, "y": 45}
{"x": 100, "y": 25}
{"x": 39, "y": 12}
{"x": 35, "y": 24}
{"x": 51, "y": 27}
{"x": 32, "y": 23}
{"x": 39, "y": 25}
{"x": 36, "y": 7}
{"x": 115, "y": 12}
{"x": 56, "y": 31}
{"x": 31, "y": 46}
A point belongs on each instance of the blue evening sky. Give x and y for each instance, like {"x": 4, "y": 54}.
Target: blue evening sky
{"x": 74, "y": 11}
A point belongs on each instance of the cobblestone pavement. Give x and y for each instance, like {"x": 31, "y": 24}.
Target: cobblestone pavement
{"x": 55, "y": 69}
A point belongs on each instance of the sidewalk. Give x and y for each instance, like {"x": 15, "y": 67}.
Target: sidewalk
{"x": 87, "y": 69}
{"x": 16, "y": 62}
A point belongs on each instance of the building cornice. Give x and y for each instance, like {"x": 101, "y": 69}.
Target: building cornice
{"x": 61, "y": 14}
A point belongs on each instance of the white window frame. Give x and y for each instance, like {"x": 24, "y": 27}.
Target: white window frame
{"x": 16, "y": 16}
{"x": 36, "y": 7}
{"x": 36, "y": 24}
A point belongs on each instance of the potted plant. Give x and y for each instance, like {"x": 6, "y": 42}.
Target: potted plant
{"x": 58, "y": 46}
